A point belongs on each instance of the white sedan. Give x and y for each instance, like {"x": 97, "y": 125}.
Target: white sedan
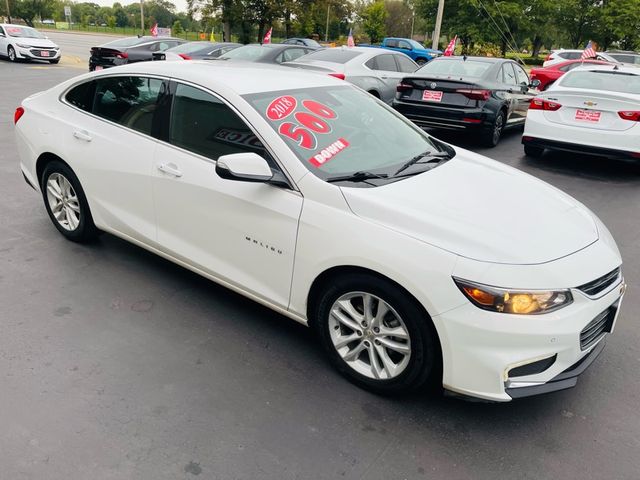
{"x": 414, "y": 261}
{"x": 19, "y": 42}
{"x": 592, "y": 109}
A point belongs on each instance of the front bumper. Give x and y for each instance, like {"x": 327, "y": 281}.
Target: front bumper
{"x": 37, "y": 53}
{"x": 446, "y": 118}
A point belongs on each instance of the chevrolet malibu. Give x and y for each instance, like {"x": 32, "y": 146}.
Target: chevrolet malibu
{"x": 416, "y": 262}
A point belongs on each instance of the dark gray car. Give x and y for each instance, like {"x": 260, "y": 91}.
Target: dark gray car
{"x": 275, "y": 53}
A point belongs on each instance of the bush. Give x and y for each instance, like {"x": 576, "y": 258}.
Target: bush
{"x": 177, "y": 29}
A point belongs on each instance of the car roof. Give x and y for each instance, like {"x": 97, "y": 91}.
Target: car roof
{"x": 609, "y": 67}
{"x": 475, "y": 59}
{"x": 237, "y": 76}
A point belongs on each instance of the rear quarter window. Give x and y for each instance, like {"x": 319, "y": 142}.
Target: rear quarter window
{"x": 81, "y": 96}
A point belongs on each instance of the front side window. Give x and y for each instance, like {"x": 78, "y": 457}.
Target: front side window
{"x": 508, "y": 75}
{"x": 129, "y": 101}
{"x": 404, "y": 45}
{"x": 521, "y": 75}
{"x": 203, "y": 124}
{"x": 340, "y": 130}
{"x": 405, "y": 64}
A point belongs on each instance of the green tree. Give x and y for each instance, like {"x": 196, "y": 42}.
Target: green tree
{"x": 29, "y": 10}
{"x": 176, "y": 28}
{"x": 373, "y": 20}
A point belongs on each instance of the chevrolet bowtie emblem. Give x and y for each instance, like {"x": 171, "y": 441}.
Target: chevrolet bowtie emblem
{"x": 590, "y": 104}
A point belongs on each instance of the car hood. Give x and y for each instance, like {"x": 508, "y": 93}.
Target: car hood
{"x": 480, "y": 209}
{"x": 34, "y": 42}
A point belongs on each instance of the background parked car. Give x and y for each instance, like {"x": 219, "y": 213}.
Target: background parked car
{"x": 20, "y": 42}
{"x": 481, "y": 94}
{"x": 375, "y": 70}
{"x": 593, "y": 110}
{"x": 196, "y": 51}
{"x": 414, "y": 50}
{"x": 269, "y": 53}
{"x": 306, "y": 42}
{"x": 547, "y": 75}
{"x": 129, "y": 50}
{"x": 562, "y": 55}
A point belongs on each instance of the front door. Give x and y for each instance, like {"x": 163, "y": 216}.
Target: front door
{"x": 240, "y": 232}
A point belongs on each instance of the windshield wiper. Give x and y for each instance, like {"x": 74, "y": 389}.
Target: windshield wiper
{"x": 430, "y": 157}
{"x": 357, "y": 177}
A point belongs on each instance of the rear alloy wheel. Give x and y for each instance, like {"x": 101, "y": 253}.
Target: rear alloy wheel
{"x": 66, "y": 203}
{"x": 11, "y": 53}
{"x": 375, "y": 335}
{"x": 491, "y": 136}
{"x": 531, "y": 151}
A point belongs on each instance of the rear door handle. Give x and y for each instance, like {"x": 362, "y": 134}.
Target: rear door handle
{"x": 170, "y": 168}
{"x": 82, "y": 135}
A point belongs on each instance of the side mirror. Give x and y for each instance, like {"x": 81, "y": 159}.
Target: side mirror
{"x": 2, "y": 34}
{"x": 535, "y": 83}
{"x": 244, "y": 167}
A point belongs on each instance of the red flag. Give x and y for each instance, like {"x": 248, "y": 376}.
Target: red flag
{"x": 267, "y": 37}
{"x": 451, "y": 47}
{"x": 350, "y": 42}
{"x": 154, "y": 30}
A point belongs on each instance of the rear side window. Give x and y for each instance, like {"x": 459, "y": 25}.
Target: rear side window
{"x": 291, "y": 54}
{"x": 129, "y": 101}
{"x": 386, "y": 63}
{"x": 81, "y": 96}
{"x": 203, "y": 124}
{"x": 335, "y": 55}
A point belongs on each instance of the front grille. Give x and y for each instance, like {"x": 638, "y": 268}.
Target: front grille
{"x": 598, "y": 327}
{"x": 600, "y": 284}
{"x": 38, "y": 52}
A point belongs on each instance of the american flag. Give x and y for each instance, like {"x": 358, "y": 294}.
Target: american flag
{"x": 154, "y": 30}
{"x": 589, "y": 51}
{"x": 350, "y": 42}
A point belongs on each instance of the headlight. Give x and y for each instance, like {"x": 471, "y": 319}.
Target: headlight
{"x": 23, "y": 46}
{"x": 506, "y": 300}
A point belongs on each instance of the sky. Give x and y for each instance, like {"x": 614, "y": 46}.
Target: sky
{"x": 181, "y": 5}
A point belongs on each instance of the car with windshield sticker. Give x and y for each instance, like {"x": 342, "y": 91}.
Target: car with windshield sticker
{"x": 414, "y": 261}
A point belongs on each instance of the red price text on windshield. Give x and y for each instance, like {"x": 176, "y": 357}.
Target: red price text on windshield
{"x": 309, "y": 121}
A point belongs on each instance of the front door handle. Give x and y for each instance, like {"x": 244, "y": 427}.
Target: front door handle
{"x": 82, "y": 135}
{"x": 170, "y": 168}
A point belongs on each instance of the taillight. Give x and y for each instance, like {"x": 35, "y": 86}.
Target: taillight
{"x": 185, "y": 56}
{"x": 475, "y": 94}
{"x": 122, "y": 55}
{"x": 630, "y": 115}
{"x": 17, "y": 114}
{"x": 541, "y": 104}
{"x": 341, "y": 76}
{"x": 403, "y": 87}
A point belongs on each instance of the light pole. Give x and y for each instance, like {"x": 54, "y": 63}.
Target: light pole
{"x": 436, "y": 31}
{"x": 326, "y": 32}
{"x": 142, "y": 17}
{"x": 8, "y": 12}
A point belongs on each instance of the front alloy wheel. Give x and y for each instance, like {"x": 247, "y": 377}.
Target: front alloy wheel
{"x": 369, "y": 335}
{"x": 11, "y": 53}
{"x": 376, "y": 334}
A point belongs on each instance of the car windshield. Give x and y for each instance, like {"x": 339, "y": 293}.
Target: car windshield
{"x": 626, "y": 57}
{"x": 24, "y": 32}
{"x": 336, "y": 131}
{"x": 608, "y": 80}
{"x": 458, "y": 67}
{"x": 416, "y": 45}
{"x": 334, "y": 55}
{"x": 248, "y": 52}
{"x": 192, "y": 47}
{"x": 126, "y": 42}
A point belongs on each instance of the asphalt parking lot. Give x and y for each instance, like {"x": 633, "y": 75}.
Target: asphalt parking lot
{"x": 116, "y": 364}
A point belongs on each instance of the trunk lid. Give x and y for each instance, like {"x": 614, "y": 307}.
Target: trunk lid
{"x": 437, "y": 91}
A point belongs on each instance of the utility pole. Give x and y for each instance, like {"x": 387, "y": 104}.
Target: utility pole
{"x": 413, "y": 21}
{"x": 436, "y": 31}
{"x": 8, "y": 12}
{"x": 326, "y": 32}
{"x": 142, "y": 17}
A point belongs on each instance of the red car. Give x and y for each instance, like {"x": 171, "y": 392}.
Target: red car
{"x": 552, "y": 73}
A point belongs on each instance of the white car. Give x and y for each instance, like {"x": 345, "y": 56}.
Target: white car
{"x": 20, "y": 42}
{"x": 593, "y": 110}
{"x": 562, "y": 55}
{"x": 414, "y": 260}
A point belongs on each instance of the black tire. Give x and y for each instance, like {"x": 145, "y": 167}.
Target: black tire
{"x": 85, "y": 231}
{"x": 424, "y": 363}
{"x": 532, "y": 151}
{"x": 11, "y": 54}
{"x": 421, "y": 61}
{"x": 490, "y": 137}
{"x": 57, "y": 60}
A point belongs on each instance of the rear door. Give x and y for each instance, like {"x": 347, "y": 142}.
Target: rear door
{"x": 386, "y": 70}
